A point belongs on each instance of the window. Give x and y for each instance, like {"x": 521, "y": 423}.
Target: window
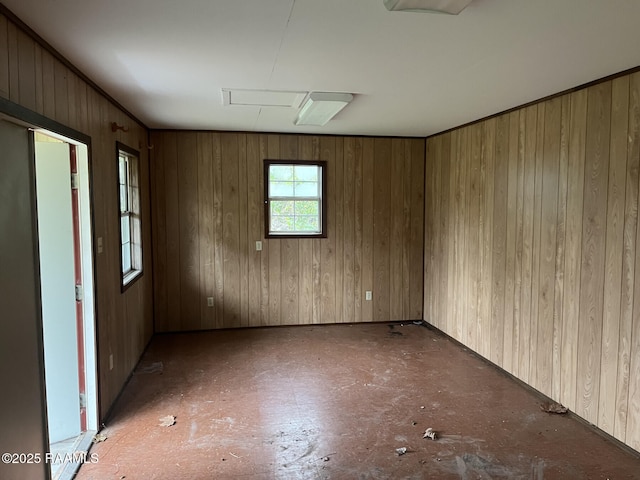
{"x": 130, "y": 225}
{"x": 295, "y": 199}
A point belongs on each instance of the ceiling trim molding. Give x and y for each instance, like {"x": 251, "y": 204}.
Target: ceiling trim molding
{"x": 295, "y": 134}
{"x": 12, "y": 17}
{"x": 608, "y": 78}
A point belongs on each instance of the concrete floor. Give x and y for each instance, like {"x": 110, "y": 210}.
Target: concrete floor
{"x": 335, "y": 402}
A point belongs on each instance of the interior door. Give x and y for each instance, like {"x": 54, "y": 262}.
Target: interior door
{"x": 22, "y": 406}
{"x": 57, "y": 279}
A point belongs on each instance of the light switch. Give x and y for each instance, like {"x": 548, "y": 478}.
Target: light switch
{"x": 258, "y": 246}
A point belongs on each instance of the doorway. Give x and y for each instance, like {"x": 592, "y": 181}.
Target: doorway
{"x": 66, "y": 281}
{"x": 48, "y": 331}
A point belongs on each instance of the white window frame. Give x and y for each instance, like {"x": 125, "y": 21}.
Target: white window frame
{"x": 129, "y": 219}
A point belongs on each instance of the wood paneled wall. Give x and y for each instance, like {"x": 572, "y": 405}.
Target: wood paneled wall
{"x": 531, "y": 238}
{"x": 207, "y": 196}
{"x": 33, "y": 78}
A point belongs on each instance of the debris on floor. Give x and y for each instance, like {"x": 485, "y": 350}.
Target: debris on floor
{"x": 326, "y": 459}
{"x": 553, "y": 407}
{"x": 401, "y": 450}
{"x": 167, "y": 421}
{"x": 99, "y": 437}
{"x": 155, "y": 367}
{"x": 430, "y": 433}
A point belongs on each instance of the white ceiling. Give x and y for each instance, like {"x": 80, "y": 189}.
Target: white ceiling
{"x": 412, "y": 74}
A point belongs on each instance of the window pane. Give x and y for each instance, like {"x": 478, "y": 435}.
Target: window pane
{"x": 294, "y": 198}
{"x": 306, "y": 189}
{"x": 123, "y": 199}
{"x": 281, "y": 189}
{"x": 282, "y": 223}
{"x": 134, "y": 200}
{"x": 307, "y": 207}
{"x": 307, "y": 224}
{"x": 280, "y": 172}
{"x": 125, "y": 230}
{"x": 279, "y": 207}
{"x": 122, "y": 170}
{"x": 126, "y": 257}
{"x": 306, "y": 173}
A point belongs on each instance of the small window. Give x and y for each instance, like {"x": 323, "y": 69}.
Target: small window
{"x": 130, "y": 224}
{"x": 295, "y": 199}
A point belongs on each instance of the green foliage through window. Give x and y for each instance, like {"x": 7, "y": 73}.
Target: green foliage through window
{"x": 294, "y": 198}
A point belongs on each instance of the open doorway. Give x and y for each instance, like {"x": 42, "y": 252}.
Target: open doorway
{"x": 66, "y": 281}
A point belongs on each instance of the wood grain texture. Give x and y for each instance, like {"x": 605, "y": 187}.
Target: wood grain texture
{"x": 486, "y": 195}
{"x": 230, "y": 229}
{"x": 628, "y": 259}
{"x": 556, "y": 360}
{"x": 510, "y": 326}
{"x": 473, "y": 246}
{"x": 518, "y": 326}
{"x": 31, "y": 77}
{"x": 557, "y": 230}
{"x": 368, "y": 192}
{"x": 573, "y": 247}
{"x": 396, "y": 233}
{"x": 499, "y": 236}
{"x": 614, "y": 252}
{"x": 632, "y": 436}
{"x": 348, "y": 231}
{"x": 328, "y": 246}
{"x": 254, "y": 226}
{"x": 630, "y": 328}
{"x": 188, "y": 231}
{"x": 382, "y": 230}
{"x": 548, "y": 244}
{"x": 593, "y": 250}
{"x": 159, "y": 235}
{"x": 432, "y": 218}
{"x": 538, "y": 155}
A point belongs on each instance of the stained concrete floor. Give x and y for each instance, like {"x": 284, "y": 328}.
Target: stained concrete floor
{"x": 335, "y": 402}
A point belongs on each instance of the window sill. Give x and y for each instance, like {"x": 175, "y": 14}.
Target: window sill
{"x": 129, "y": 279}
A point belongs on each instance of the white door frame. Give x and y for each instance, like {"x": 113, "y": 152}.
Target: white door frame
{"x": 86, "y": 248}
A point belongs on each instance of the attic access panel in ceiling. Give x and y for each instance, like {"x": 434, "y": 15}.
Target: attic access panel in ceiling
{"x": 262, "y": 98}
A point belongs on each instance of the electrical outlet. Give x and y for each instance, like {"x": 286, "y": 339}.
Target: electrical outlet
{"x": 368, "y": 295}
{"x": 258, "y": 246}
{"x": 209, "y": 301}
{"x": 99, "y": 244}
{"x": 111, "y": 361}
